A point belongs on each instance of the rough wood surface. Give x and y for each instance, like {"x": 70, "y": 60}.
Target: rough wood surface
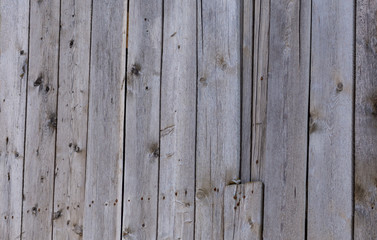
{"x": 243, "y": 209}
{"x": 330, "y": 196}
{"x": 366, "y": 121}
{"x": 72, "y": 119}
{"x": 14, "y": 24}
{"x": 142, "y": 150}
{"x": 178, "y": 122}
{"x": 218, "y": 113}
{"x": 41, "y": 120}
{"x": 247, "y": 87}
{"x": 103, "y": 188}
{"x": 284, "y": 167}
{"x": 260, "y": 82}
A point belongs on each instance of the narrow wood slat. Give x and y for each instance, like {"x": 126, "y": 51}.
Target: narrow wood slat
{"x": 41, "y": 120}
{"x": 142, "y": 148}
{"x": 365, "y": 121}
{"x": 218, "y": 113}
{"x": 243, "y": 209}
{"x": 72, "y": 119}
{"x": 104, "y": 169}
{"x": 260, "y": 82}
{"x": 178, "y": 122}
{"x": 247, "y": 87}
{"x": 330, "y": 205}
{"x": 14, "y": 23}
{"x": 284, "y": 166}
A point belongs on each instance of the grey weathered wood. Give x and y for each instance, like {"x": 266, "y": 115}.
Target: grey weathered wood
{"x": 178, "y": 122}
{"x": 41, "y": 120}
{"x": 218, "y": 112}
{"x": 243, "y": 209}
{"x": 284, "y": 166}
{"x": 104, "y": 169}
{"x": 142, "y": 148}
{"x": 14, "y": 23}
{"x": 247, "y": 87}
{"x": 366, "y": 121}
{"x": 330, "y": 186}
{"x": 72, "y": 119}
{"x": 260, "y": 82}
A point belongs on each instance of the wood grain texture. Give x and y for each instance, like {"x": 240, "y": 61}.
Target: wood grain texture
{"x": 14, "y": 24}
{"x": 284, "y": 167}
{"x": 41, "y": 120}
{"x": 247, "y": 87}
{"x": 243, "y": 209}
{"x": 142, "y": 149}
{"x": 178, "y": 122}
{"x": 72, "y": 119}
{"x": 330, "y": 205}
{"x": 218, "y": 112}
{"x": 260, "y": 82}
{"x": 103, "y": 188}
{"x": 366, "y": 121}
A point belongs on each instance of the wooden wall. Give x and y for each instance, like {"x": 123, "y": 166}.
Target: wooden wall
{"x": 188, "y": 119}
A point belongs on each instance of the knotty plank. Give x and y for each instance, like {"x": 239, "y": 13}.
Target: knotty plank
{"x": 247, "y": 87}
{"x": 243, "y": 208}
{"x": 218, "y": 112}
{"x": 104, "y": 169}
{"x": 366, "y": 121}
{"x": 260, "y": 82}
{"x": 178, "y": 122}
{"x": 330, "y": 205}
{"x": 142, "y": 149}
{"x": 14, "y": 24}
{"x": 72, "y": 119}
{"x": 41, "y": 120}
{"x": 284, "y": 166}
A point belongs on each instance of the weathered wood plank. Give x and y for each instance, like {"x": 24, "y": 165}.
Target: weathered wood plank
{"x": 260, "y": 82}
{"x": 330, "y": 205}
{"x": 247, "y": 87}
{"x": 142, "y": 148}
{"x": 72, "y": 119}
{"x": 178, "y": 122}
{"x": 41, "y": 120}
{"x": 218, "y": 113}
{"x": 366, "y": 121}
{"x": 284, "y": 167}
{"x": 104, "y": 169}
{"x": 14, "y": 24}
{"x": 243, "y": 208}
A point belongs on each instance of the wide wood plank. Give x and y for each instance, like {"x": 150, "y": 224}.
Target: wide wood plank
{"x": 218, "y": 113}
{"x": 41, "y": 120}
{"x": 260, "y": 82}
{"x": 103, "y": 188}
{"x": 14, "y": 24}
{"x": 330, "y": 205}
{"x": 366, "y": 121}
{"x": 142, "y": 148}
{"x": 247, "y": 87}
{"x": 243, "y": 209}
{"x": 284, "y": 167}
{"x": 72, "y": 119}
{"x": 178, "y": 122}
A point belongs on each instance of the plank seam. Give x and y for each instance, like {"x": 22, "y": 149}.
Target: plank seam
{"x": 354, "y": 118}
{"x": 159, "y": 118}
{"x": 196, "y": 113}
{"x": 26, "y": 97}
{"x": 124, "y": 124}
{"x": 308, "y": 125}
{"x": 56, "y": 132}
{"x": 241, "y": 84}
{"x": 89, "y": 77}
